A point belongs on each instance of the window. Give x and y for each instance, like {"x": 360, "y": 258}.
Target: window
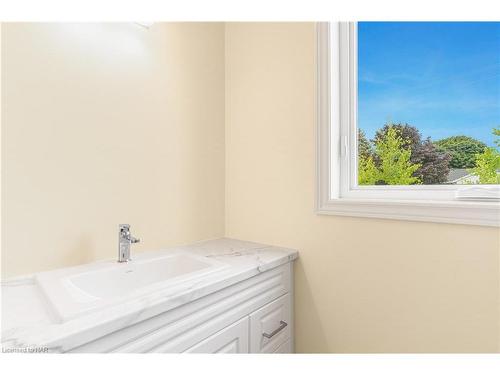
{"x": 409, "y": 120}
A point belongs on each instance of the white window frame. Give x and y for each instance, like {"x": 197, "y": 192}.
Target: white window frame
{"x": 338, "y": 192}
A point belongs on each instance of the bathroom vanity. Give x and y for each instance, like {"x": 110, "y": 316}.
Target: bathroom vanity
{"x": 217, "y": 296}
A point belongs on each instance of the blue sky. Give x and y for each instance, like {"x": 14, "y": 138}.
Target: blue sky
{"x": 442, "y": 77}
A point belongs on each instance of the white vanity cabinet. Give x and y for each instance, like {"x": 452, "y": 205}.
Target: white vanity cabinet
{"x": 251, "y": 316}
{"x": 266, "y": 330}
{"x": 214, "y": 296}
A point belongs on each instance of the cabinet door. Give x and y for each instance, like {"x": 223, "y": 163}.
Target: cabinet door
{"x": 284, "y": 348}
{"x": 270, "y": 326}
{"x": 232, "y": 339}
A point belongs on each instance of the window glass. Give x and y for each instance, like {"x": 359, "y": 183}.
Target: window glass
{"x": 428, "y": 108}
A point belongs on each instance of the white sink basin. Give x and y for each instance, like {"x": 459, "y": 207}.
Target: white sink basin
{"x": 126, "y": 278}
{"x": 77, "y": 290}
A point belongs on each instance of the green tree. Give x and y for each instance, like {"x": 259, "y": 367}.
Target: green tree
{"x": 434, "y": 163}
{"x": 488, "y": 163}
{"x": 463, "y": 150}
{"x": 496, "y": 133}
{"x": 394, "y": 166}
{"x": 364, "y": 147}
{"x": 368, "y": 173}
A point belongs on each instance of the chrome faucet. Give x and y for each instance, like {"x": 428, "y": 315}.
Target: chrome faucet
{"x": 124, "y": 241}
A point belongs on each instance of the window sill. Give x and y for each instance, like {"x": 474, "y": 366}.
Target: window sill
{"x": 455, "y": 212}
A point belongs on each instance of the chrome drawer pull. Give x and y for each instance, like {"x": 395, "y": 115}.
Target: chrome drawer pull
{"x": 269, "y": 335}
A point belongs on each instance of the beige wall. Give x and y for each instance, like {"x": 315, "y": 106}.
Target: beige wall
{"x": 362, "y": 285}
{"x": 105, "y": 124}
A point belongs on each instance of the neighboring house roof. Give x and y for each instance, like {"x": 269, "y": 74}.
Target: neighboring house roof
{"x": 457, "y": 174}
{"x": 462, "y": 176}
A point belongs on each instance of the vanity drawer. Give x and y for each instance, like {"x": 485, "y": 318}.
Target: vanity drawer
{"x": 270, "y": 326}
{"x": 233, "y": 339}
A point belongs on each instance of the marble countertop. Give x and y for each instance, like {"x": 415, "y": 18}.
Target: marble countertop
{"x": 29, "y": 322}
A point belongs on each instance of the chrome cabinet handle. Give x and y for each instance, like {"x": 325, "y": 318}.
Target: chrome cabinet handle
{"x": 269, "y": 335}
